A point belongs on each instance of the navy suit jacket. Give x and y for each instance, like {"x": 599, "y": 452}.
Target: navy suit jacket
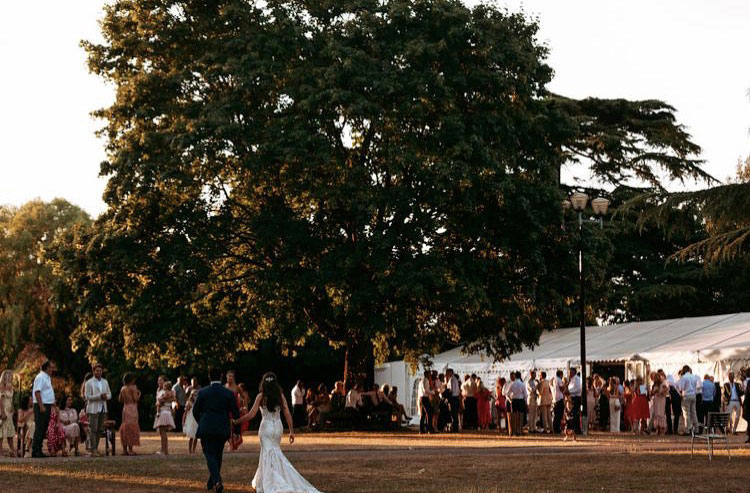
{"x": 211, "y": 410}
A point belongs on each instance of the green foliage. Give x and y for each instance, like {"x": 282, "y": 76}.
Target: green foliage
{"x": 381, "y": 174}
{"x": 36, "y": 306}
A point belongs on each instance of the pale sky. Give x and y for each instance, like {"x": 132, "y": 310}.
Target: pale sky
{"x": 691, "y": 53}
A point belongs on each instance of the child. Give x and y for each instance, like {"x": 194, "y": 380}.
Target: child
{"x": 568, "y": 420}
{"x": 189, "y": 425}
{"x": 164, "y": 420}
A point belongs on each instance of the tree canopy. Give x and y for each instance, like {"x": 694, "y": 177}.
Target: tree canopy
{"x": 384, "y": 174}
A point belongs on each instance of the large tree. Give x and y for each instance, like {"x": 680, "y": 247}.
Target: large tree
{"x": 381, "y": 173}
{"x": 37, "y": 306}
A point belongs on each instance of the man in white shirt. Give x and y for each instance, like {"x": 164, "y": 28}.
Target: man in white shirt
{"x": 468, "y": 391}
{"x": 687, "y": 386}
{"x": 532, "y": 387}
{"x": 43, "y": 397}
{"x": 518, "y": 395}
{"x": 424, "y": 394}
{"x": 97, "y": 394}
{"x": 559, "y": 407}
{"x": 298, "y": 404}
{"x": 574, "y": 390}
{"x": 452, "y": 385}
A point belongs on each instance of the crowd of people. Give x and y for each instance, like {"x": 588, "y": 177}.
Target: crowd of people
{"x": 538, "y": 403}
{"x": 542, "y": 404}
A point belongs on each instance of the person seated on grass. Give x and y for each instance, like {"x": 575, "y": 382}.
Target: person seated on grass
{"x": 69, "y": 420}
{"x": 25, "y": 425}
{"x": 311, "y": 398}
{"x": 353, "y": 399}
{"x": 55, "y": 433}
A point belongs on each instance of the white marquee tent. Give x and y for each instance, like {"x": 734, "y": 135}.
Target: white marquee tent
{"x": 713, "y": 345}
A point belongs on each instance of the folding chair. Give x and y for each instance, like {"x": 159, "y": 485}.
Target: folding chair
{"x": 715, "y": 430}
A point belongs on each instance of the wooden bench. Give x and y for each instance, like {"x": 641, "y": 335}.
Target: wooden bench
{"x": 715, "y": 430}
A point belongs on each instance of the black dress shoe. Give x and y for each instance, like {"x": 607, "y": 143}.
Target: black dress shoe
{"x": 39, "y": 456}
{"x": 219, "y": 488}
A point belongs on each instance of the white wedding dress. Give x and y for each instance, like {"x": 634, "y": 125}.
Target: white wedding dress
{"x": 275, "y": 473}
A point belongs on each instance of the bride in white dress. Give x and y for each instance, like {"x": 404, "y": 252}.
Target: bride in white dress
{"x": 275, "y": 473}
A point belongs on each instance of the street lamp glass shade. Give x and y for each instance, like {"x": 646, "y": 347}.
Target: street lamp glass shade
{"x": 600, "y": 206}
{"x": 579, "y": 200}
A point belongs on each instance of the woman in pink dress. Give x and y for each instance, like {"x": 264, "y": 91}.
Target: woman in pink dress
{"x": 483, "y": 406}
{"x": 659, "y": 392}
{"x": 641, "y": 411}
{"x": 130, "y": 431}
{"x": 55, "y": 433}
{"x": 629, "y": 410}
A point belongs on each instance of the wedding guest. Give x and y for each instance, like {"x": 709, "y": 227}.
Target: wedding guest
{"x": 687, "y": 385}
{"x": 453, "y": 386}
{"x": 518, "y": 396}
{"x": 97, "y": 395}
{"x": 130, "y": 432}
{"x": 83, "y": 424}
{"x": 468, "y": 392}
{"x": 311, "y": 409}
{"x": 675, "y": 402}
{"x": 43, "y": 398}
{"x": 190, "y": 425}
{"x": 194, "y": 386}
{"x": 25, "y": 426}
{"x": 55, "y": 433}
{"x": 590, "y": 403}
{"x": 731, "y": 397}
{"x": 393, "y": 397}
{"x": 352, "y": 401}
{"x": 484, "y": 414}
{"x": 245, "y": 405}
{"x": 440, "y": 416}
{"x": 69, "y": 421}
{"x": 575, "y": 390}
{"x": 615, "y": 404}
{"x": 180, "y": 398}
{"x": 745, "y": 374}
{"x": 235, "y": 440}
{"x": 338, "y": 397}
{"x": 569, "y": 421}
{"x": 559, "y": 391}
{"x": 602, "y": 406}
{"x": 298, "y": 403}
{"x": 532, "y": 404}
{"x": 659, "y": 392}
{"x": 164, "y": 420}
{"x": 545, "y": 402}
{"x": 708, "y": 397}
{"x": 501, "y": 406}
{"x": 7, "y": 430}
{"x": 641, "y": 411}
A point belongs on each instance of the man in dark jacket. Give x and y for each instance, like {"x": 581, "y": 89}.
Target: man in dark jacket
{"x": 212, "y": 410}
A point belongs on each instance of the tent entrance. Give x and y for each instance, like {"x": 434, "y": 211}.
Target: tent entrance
{"x": 610, "y": 369}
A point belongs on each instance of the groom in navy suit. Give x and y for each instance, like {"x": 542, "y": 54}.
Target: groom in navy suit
{"x": 211, "y": 410}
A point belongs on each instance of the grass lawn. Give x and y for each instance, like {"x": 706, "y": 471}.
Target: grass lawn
{"x": 405, "y": 462}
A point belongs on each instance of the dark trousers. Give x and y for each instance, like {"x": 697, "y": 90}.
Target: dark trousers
{"x": 178, "y": 413}
{"x": 455, "y": 404}
{"x": 557, "y": 420}
{"x": 668, "y": 413}
{"x": 676, "y": 411}
{"x": 299, "y": 416}
{"x": 700, "y": 409}
{"x": 576, "y": 413}
{"x": 471, "y": 417}
{"x": 41, "y": 422}
{"x": 213, "y": 450}
{"x": 425, "y": 415}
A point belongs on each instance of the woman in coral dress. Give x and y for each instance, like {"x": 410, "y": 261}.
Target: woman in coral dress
{"x": 69, "y": 421}
{"x": 130, "y": 431}
{"x": 659, "y": 392}
{"x": 641, "y": 412}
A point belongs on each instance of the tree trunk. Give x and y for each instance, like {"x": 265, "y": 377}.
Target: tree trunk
{"x": 359, "y": 365}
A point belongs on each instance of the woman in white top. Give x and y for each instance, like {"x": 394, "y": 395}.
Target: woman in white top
{"x": 613, "y": 394}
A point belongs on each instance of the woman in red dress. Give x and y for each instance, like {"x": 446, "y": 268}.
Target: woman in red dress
{"x": 641, "y": 411}
{"x": 629, "y": 409}
{"x": 55, "y": 433}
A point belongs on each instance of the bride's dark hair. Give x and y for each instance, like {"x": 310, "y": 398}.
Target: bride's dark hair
{"x": 269, "y": 387}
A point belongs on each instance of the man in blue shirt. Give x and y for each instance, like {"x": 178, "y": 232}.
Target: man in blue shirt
{"x": 708, "y": 396}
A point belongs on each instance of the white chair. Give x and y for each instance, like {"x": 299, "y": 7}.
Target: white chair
{"x": 715, "y": 430}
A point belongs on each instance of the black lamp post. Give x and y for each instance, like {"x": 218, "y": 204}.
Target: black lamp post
{"x": 578, "y": 202}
